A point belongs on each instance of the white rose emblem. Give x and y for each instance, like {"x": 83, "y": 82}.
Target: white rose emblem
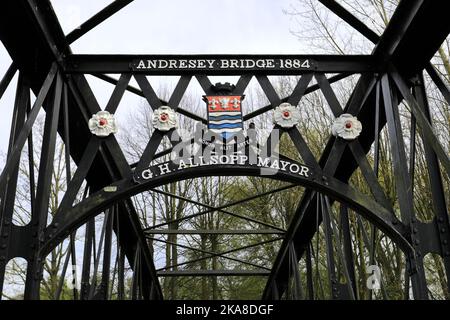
{"x": 164, "y": 119}
{"x": 102, "y": 124}
{"x": 346, "y": 127}
{"x": 286, "y": 115}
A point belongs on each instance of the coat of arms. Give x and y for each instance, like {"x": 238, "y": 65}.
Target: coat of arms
{"x": 224, "y": 111}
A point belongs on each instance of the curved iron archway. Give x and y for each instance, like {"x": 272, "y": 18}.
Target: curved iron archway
{"x": 88, "y": 208}
{"x": 391, "y": 74}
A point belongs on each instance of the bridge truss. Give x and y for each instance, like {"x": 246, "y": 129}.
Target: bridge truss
{"x": 391, "y": 75}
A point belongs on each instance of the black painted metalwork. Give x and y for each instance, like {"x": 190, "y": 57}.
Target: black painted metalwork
{"x": 97, "y": 19}
{"x": 392, "y": 74}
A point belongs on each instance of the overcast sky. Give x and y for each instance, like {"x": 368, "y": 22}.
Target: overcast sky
{"x": 168, "y": 26}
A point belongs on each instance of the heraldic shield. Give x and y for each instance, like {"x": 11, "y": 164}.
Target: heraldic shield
{"x": 224, "y": 115}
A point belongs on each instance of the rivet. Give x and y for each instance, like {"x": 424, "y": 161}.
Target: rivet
{"x": 440, "y": 219}
{"x": 443, "y": 230}
{"x": 445, "y": 241}
{"x": 415, "y": 230}
{"x": 417, "y": 241}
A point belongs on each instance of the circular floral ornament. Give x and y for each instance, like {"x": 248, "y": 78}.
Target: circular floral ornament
{"x": 346, "y": 127}
{"x": 164, "y": 119}
{"x": 286, "y": 115}
{"x": 102, "y": 124}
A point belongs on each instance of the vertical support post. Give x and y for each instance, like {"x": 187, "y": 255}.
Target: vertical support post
{"x": 9, "y": 195}
{"x": 104, "y": 285}
{"x": 347, "y": 244}
{"x": 331, "y": 264}
{"x": 87, "y": 257}
{"x": 376, "y": 164}
{"x": 403, "y": 183}
{"x": 60, "y": 287}
{"x": 39, "y": 218}
{"x": 120, "y": 275}
{"x": 296, "y": 293}
{"x": 135, "y": 280}
{"x": 437, "y": 189}
{"x": 65, "y": 110}
{"x": 120, "y": 258}
{"x": 19, "y": 141}
{"x": 309, "y": 273}
{"x": 93, "y": 290}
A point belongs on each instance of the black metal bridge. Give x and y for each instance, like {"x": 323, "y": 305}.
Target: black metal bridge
{"x": 391, "y": 75}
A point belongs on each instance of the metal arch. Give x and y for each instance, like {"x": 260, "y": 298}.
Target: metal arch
{"x": 67, "y": 221}
{"x": 408, "y": 26}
